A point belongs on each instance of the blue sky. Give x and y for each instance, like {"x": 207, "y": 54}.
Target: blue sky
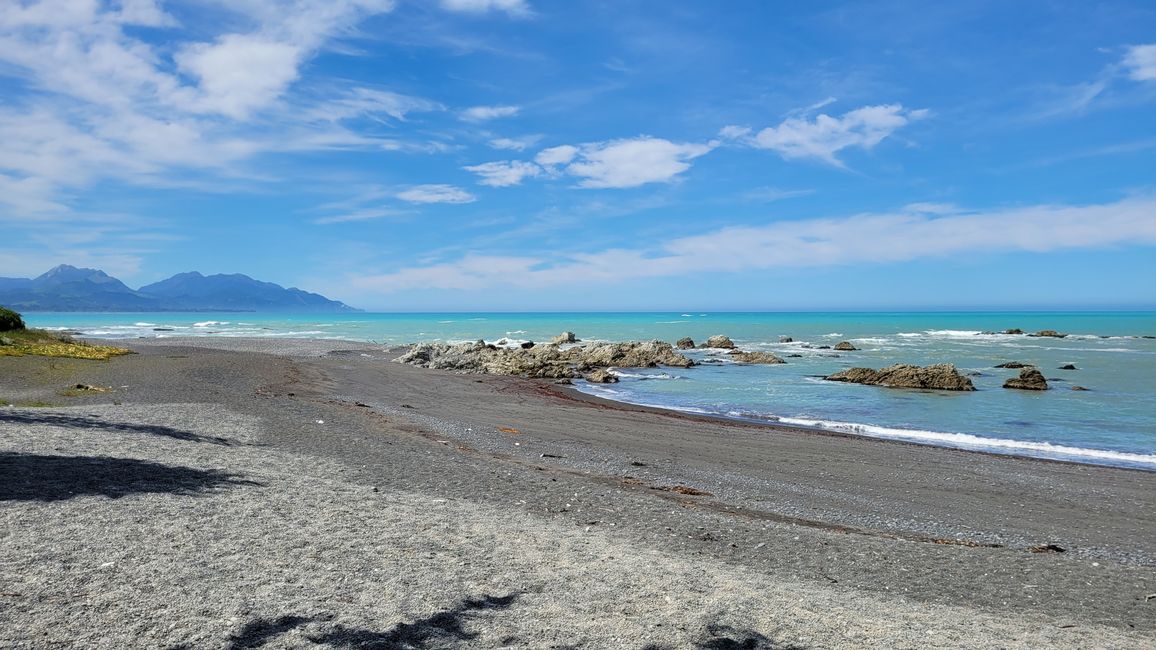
{"x": 531, "y": 155}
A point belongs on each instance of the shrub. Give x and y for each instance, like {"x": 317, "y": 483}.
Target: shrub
{"x": 10, "y": 320}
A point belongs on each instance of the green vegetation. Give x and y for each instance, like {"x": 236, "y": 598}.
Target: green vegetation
{"x": 17, "y": 341}
{"x": 10, "y": 320}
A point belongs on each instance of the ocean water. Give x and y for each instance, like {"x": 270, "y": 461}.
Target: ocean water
{"x": 1114, "y": 422}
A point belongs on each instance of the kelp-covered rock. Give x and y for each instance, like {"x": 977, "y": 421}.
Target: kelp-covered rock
{"x": 1029, "y": 379}
{"x": 755, "y": 357}
{"x": 719, "y": 341}
{"x": 684, "y": 343}
{"x": 542, "y": 361}
{"x": 942, "y": 376}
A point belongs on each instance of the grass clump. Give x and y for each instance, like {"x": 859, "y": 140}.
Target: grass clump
{"x": 10, "y": 321}
{"x": 36, "y": 342}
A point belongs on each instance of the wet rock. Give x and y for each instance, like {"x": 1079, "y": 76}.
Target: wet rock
{"x": 564, "y": 337}
{"x": 163, "y": 329}
{"x": 1049, "y": 334}
{"x": 941, "y": 376}
{"x": 685, "y": 343}
{"x": 602, "y": 376}
{"x": 543, "y": 361}
{"x": 1068, "y": 366}
{"x": 823, "y": 347}
{"x": 527, "y": 345}
{"x": 1014, "y": 330}
{"x": 845, "y": 346}
{"x": 755, "y": 357}
{"x": 1029, "y": 379}
{"x": 719, "y": 341}
{"x": 790, "y": 356}
{"x": 1079, "y": 388}
{"x": 1015, "y": 364}
{"x": 786, "y": 339}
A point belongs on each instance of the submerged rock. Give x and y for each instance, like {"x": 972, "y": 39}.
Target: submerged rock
{"x": 719, "y": 341}
{"x": 1015, "y": 365}
{"x": 542, "y": 361}
{"x": 941, "y": 376}
{"x": 786, "y": 339}
{"x": 1029, "y": 379}
{"x": 1049, "y": 333}
{"x": 565, "y": 337}
{"x": 1079, "y": 388}
{"x": 1068, "y": 366}
{"x": 845, "y": 346}
{"x": 685, "y": 343}
{"x": 755, "y": 357}
{"x": 602, "y": 376}
{"x": 1014, "y": 330}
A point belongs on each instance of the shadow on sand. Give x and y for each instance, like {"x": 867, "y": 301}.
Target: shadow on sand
{"x": 32, "y": 477}
{"x": 725, "y": 637}
{"x": 445, "y": 627}
{"x": 93, "y": 422}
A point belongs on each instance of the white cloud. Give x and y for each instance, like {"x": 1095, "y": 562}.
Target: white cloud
{"x": 633, "y": 162}
{"x": 560, "y": 155}
{"x": 370, "y": 102}
{"x": 825, "y": 136}
{"x": 436, "y": 194}
{"x": 511, "y": 7}
{"x": 929, "y": 231}
{"x": 240, "y": 73}
{"x": 1140, "y": 60}
{"x": 515, "y": 144}
{"x": 483, "y": 113}
{"x": 365, "y": 214}
{"x": 504, "y": 173}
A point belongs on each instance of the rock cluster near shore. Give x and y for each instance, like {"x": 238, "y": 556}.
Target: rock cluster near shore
{"x": 941, "y": 376}
{"x": 543, "y": 361}
{"x": 754, "y": 357}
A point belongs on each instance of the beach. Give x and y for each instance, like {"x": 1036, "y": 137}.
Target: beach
{"x": 230, "y": 493}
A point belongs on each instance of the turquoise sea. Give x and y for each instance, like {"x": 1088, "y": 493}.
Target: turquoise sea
{"x": 1114, "y": 422}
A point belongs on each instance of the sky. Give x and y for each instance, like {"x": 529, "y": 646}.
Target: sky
{"x": 466, "y": 155}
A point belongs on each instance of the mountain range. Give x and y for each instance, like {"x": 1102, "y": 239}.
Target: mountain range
{"x": 67, "y": 288}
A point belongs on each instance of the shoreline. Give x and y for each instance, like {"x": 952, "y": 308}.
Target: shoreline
{"x": 269, "y": 344}
{"x": 403, "y": 482}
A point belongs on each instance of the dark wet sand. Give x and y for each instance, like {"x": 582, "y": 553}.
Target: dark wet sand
{"x": 935, "y": 526}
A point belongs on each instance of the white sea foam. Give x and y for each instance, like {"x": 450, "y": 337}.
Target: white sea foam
{"x": 144, "y": 324}
{"x": 643, "y": 376}
{"x": 870, "y": 339}
{"x": 981, "y": 443}
{"x": 954, "y": 333}
{"x": 210, "y": 323}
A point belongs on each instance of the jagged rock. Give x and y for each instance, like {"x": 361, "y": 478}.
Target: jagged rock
{"x": 719, "y": 341}
{"x": 1049, "y": 333}
{"x": 1029, "y": 379}
{"x": 786, "y": 339}
{"x": 941, "y": 376}
{"x": 845, "y": 346}
{"x": 602, "y": 376}
{"x": 755, "y": 357}
{"x": 1068, "y": 366}
{"x": 1078, "y": 388}
{"x": 565, "y": 337}
{"x": 1015, "y": 365}
{"x": 685, "y": 343}
{"x": 526, "y": 345}
{"x": 1014, "y": 330}
{"x": 543, "y": 361}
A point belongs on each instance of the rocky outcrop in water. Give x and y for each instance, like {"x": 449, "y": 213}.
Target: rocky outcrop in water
{"x": 684, "y": 343}
{"x": 564, "y": 337}
{"x": 845, "y": 346}
{"x": 602, "y": 376}
{"x": 1014, "y": 364}
{"x": 941, "y": 376}
{"x": 1014, "y": 330}
{"x": 1029, "y": 379}
{"x": 719, "y": 341}
{"x": 542, "y": 361}
{"x": 786, "y": 339}
{"x": 1068, "y": 366}
{"x": 1049, "y": 334}
{"x": 754, "y": 357}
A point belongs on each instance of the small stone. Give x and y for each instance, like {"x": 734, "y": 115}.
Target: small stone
{"x": 845, "y": 346}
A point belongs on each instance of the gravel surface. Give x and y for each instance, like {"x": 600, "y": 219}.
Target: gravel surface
{"x": 229, "y": 499}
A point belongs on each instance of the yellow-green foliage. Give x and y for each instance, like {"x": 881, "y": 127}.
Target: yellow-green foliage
{"x": 49, "y": 344}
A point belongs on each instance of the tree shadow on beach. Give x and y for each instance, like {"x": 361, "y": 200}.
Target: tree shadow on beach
{"x": 725, "y": 637}
{"x": 93, "y": 422}
{"x": 442, "y": 628}
{"x": 33, "y": 477}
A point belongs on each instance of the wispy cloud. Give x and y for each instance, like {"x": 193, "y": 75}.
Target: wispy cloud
{"x": 624, "y": 163}
{"x": 918, "y": 232}
{"x": 485, "y": 113}
{"x": 1140, "y": 62}
{"x": 823, "y": 137}
{"x": 515, "y": 144}
{"x": 436, "y": 194}
{"x": 512, "y": 7}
